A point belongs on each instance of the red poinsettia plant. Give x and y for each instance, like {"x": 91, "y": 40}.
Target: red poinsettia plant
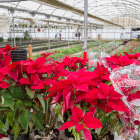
{"x": 29, "y": 88}
{"x": 22, "y": 89}
{"x": 90, "y": 101}
{"x": 5, "y": 55}
{"x": 88, "y": 98}
{"x": 38, "y": 30}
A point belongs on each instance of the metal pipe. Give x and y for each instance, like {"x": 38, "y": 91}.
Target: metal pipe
{"x": 85, "y": 24}
{"x": 68, "y": 34}
{"x": 45, "y": 33}
{"x": 14, "y": 33}
{"x": 81, "y": 34}
{"x": 55, "y": 33}
{"x": 11, "y": 36}
{"x": 90, "y": 33}
{"x": 48, "y": 35}
{"x": 35, "y": 32}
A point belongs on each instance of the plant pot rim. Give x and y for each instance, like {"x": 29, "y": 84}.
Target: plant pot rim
{"x": 19, "y": 49}
{"x": 12, "y": 135}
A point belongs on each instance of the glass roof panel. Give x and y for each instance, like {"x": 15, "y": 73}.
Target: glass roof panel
{"x": 28, "y": 5}
{"x": 106, "y": 9}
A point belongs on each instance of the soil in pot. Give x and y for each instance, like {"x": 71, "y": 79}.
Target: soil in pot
{"x": 20, "y": 137}
{"x": 56, "y": 132}
{"x": 41, "y": 135}
{"x": 68, "y": 134}
{"x": 107, "y": 136}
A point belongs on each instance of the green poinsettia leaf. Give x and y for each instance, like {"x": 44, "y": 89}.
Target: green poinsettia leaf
{"x": 41, "y": 100}
{"x": 30, "y": 92}
{"x": 37, "y": 118}
{"x": 104, "y": 119}
{"x": 25, "y": 118}
{"x": 16, "y": 92}
{"x": 10, "y": 118}
{"x": 16, "y": 131}
{"x": 7, "y": 100}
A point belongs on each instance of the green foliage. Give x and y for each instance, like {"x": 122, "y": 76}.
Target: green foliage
{"x": 129, "y": 48}
{"x": 1, "y": 39}
{"x": 41, "y": 101}
{"x": 16, "y": 92}
{"x": 37, "y": 118}
{"x": 7, "y": 100}
{"x": 9, "y": 39}
{"x": 16, "y": 131}
{"x": 26, "y": 35}
{"x": 30, "y": 92}
{"x": 25, "y": 118}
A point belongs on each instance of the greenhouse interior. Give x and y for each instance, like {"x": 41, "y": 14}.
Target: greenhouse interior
{"x": 69, "y": 70}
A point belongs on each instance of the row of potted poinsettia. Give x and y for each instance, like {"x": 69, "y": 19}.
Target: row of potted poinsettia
{"x": 33, "y": 94}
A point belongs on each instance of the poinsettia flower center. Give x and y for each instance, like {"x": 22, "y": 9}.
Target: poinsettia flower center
{"x": 107, "y": 97}
{"x": 80, "y": 122}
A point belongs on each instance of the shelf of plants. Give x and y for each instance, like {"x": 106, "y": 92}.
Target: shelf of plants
{"x": 59, "y": 53}
{"x": 129, "y": 48}
{"x": 91, "y": 104}
{"x": 68, "y": 51}
{"x": 26, "y": 42}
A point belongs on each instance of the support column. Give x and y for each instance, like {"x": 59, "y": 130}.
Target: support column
{"x": 85, "y": 27}
{"x": 55, "y": 32}
{"x": 102, "y": 34}
{"x": 48, "y": 35}
{"x": 14, "y": 33}
{"x": 81, "y": 34}
{"x": 11, "y": 36}
{"x": 35, "y": 32}
{"x": 68, "y": 34}
{"x": 45, "y": 34}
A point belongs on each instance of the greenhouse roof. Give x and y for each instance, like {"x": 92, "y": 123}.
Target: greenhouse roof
{"x": 46, "y": 9}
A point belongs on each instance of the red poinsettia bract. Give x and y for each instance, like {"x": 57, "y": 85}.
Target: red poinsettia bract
{"x": 115, "y": 62}
{"x": 102, "y": 72}
{"x": 82, "y": 122}
{"x": 109, "y": 99}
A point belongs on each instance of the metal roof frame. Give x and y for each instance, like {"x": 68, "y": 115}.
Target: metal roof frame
{"x": 47, "y": 15}
{"x": 64, "y": 6}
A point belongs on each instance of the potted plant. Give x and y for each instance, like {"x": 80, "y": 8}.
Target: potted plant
{"x": 38, "y": 30}
{"x": 22, "y": 89}
{"x": 91, "y": 104}
{"x": 5, "y": 55}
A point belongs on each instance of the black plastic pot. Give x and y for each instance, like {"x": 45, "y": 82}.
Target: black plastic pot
{"x": 125, "y": 42}
{"x": 20, "y": 137}
{"x": 18, "y": 55}
{"x": 56, "y": 132}
{"x": 68, "y": 134}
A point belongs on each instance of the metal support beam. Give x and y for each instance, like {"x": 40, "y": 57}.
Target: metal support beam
{"x": 85, "y": 24}
{"x": 11, "y": 36}
{"x": 14, "y": 33}
{"x": 40, "y": 13}
{"x": 66, "y": 7}
{"x": 35, "y": 32}
{"x": 81, "y": 34}
{"x": 55, "y": 33}
{"x": 68, "y": 34}
{"x": 48, "y": 35}
{"x": 45, "y": 33}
